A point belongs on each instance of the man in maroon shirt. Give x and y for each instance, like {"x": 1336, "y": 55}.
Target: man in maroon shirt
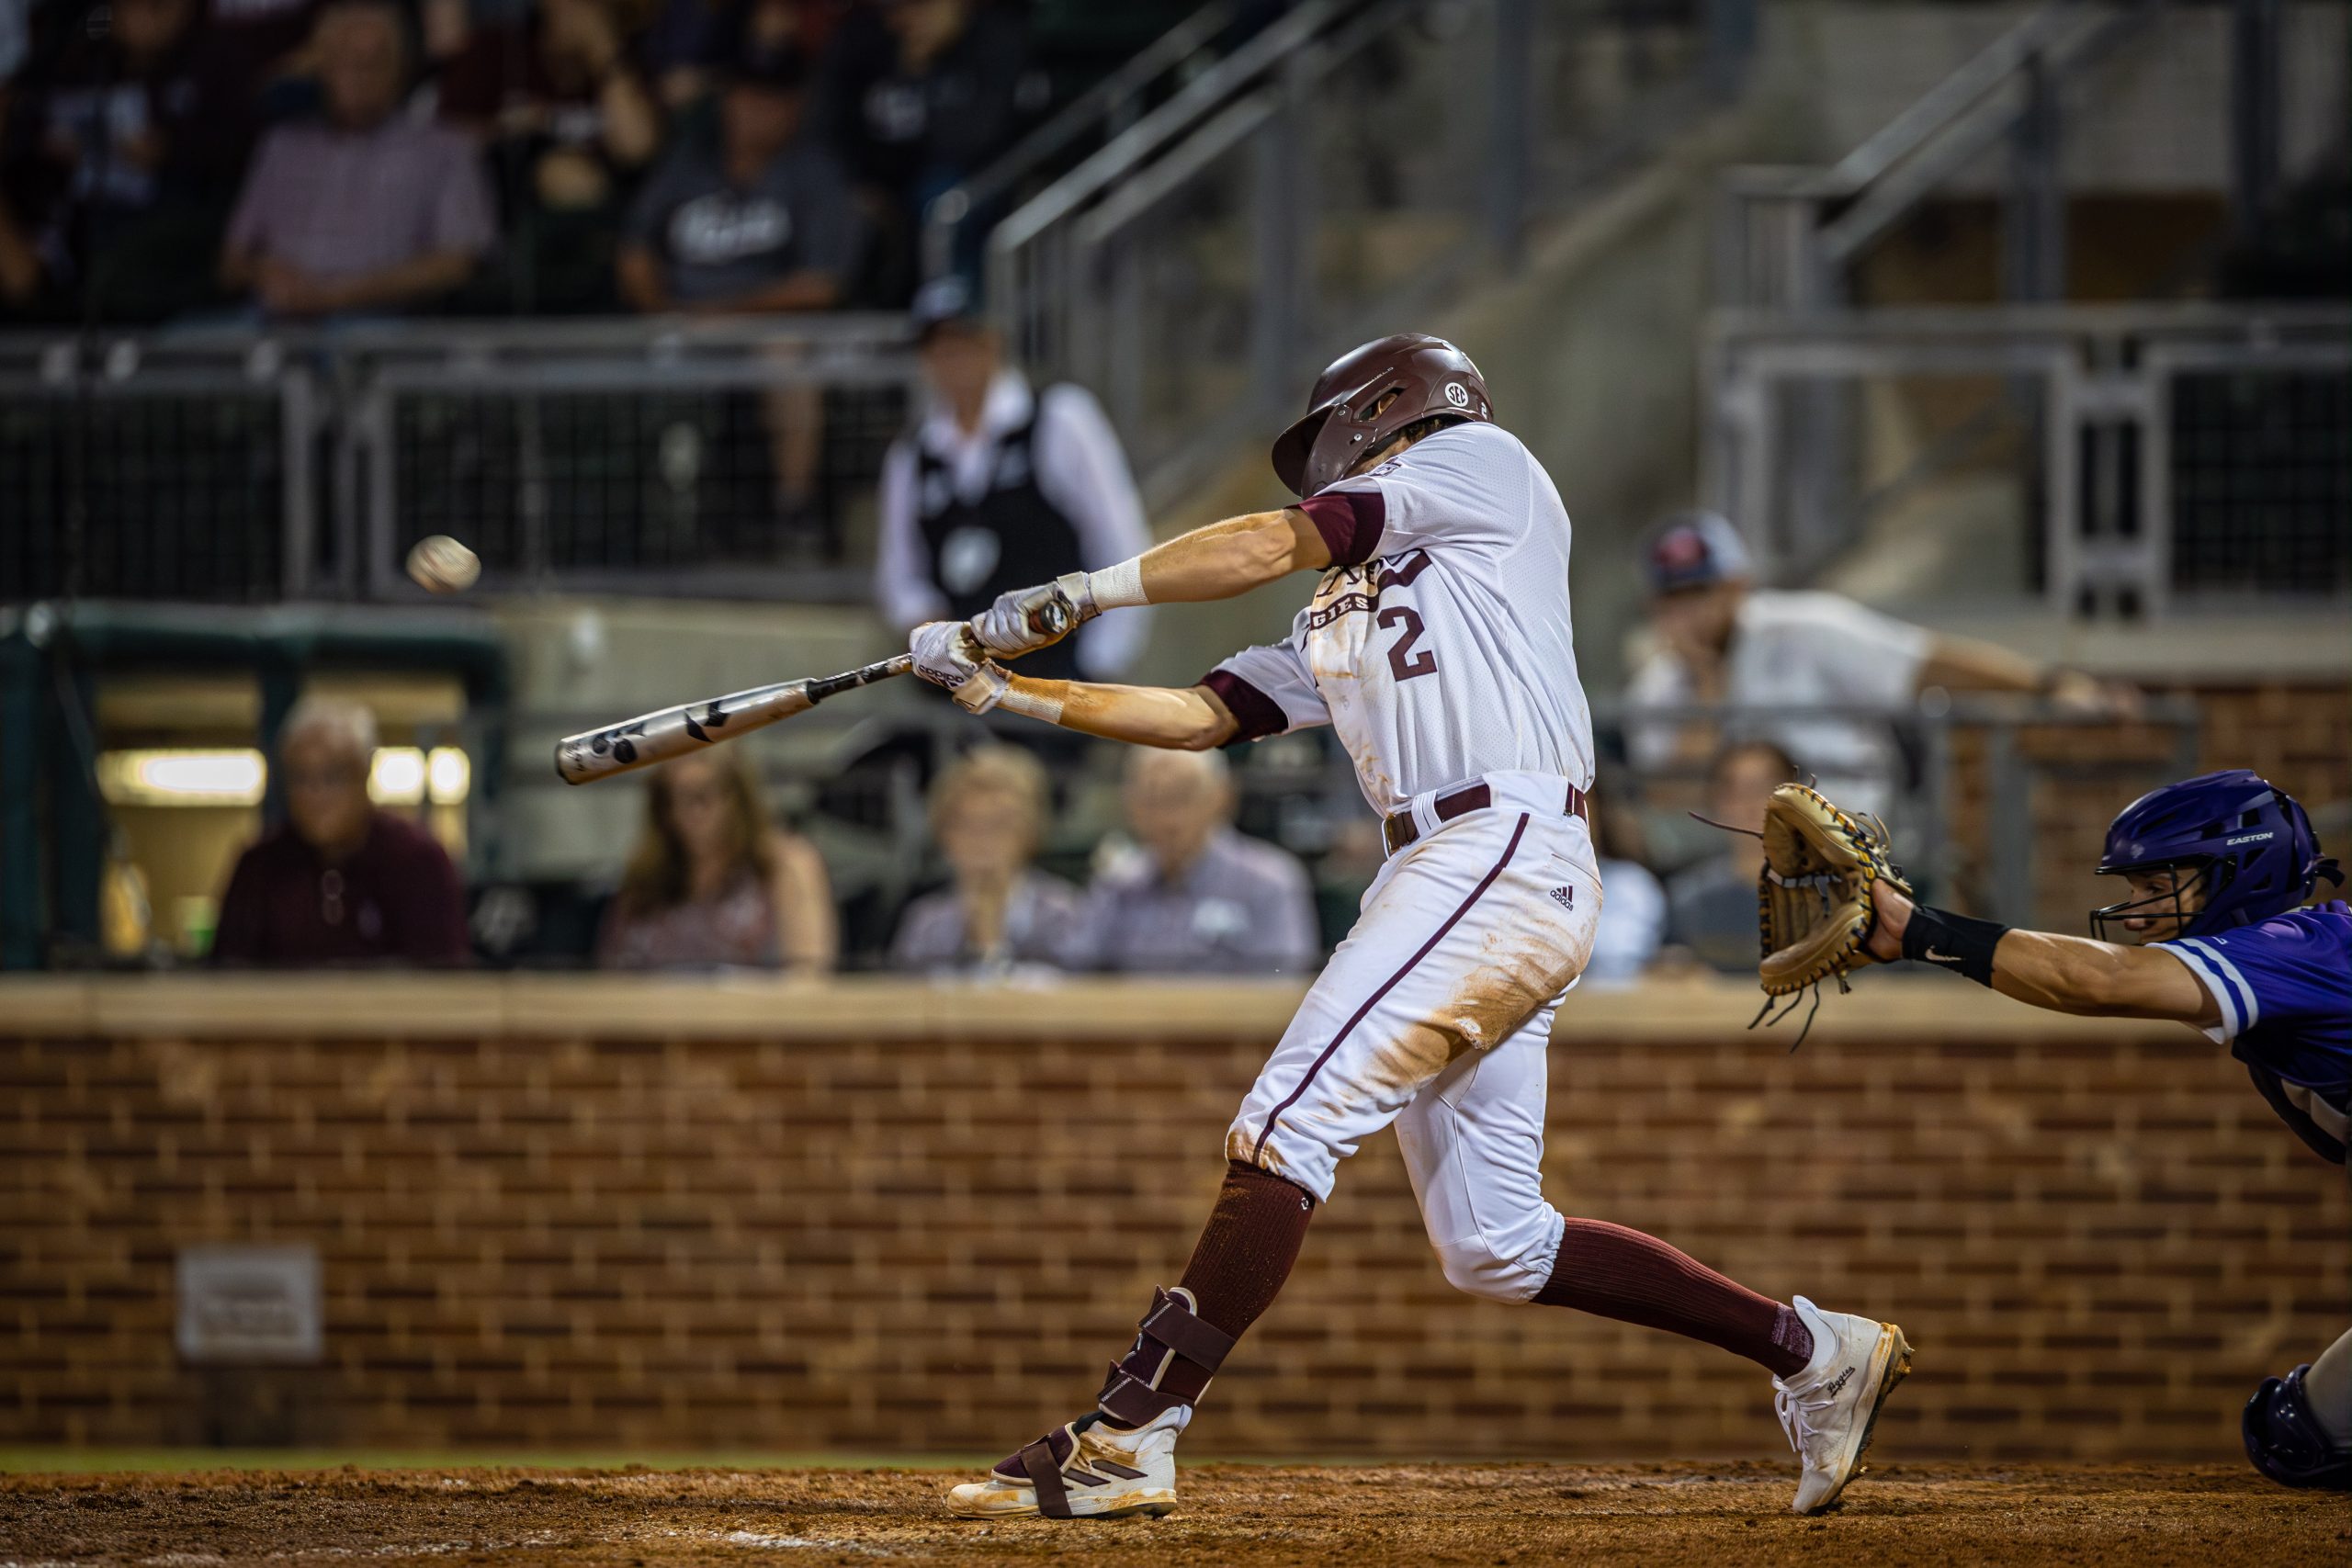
{"x": 340, "y": 882}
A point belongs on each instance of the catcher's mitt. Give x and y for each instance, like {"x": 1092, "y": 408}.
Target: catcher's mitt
{"x": 1814, "y": 896}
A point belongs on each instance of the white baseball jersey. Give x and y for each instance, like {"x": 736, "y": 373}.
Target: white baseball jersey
{"x": 1439, "y": 646}
{"x": 1439, "y": 649}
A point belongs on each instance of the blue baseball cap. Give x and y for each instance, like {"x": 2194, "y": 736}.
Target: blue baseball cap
{"x": 1692, "y": 550}
{"x": 946, "y": 301}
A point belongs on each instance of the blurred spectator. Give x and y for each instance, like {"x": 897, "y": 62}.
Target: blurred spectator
{"x": 1198, "y": 898}
{"x": 987, "y": 812}
{"x": 16, "y": 35}
{"x": 1632, "y": 904}
{"x": 1711, "y": 906}
{"x": 919, "y": 93}
{"x": 690, "y": 41}
{"x": 712, "y": 885}
{"x": 759, "y": 220}
{"x": 119, "y": 181}
{"x": 340, "y": 882}
{"x": 368, "y": 210}
{"x": 1720, "y": 640}
{"x": 559, "y": 84}
{"x": 568, "y": 123}
{"x": 257, "y": 61}
{"x": 999, "y": 486}
{"x": 21, "y": 266}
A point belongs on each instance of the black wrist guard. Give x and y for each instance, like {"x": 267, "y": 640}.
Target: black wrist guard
{"x": 1952, "y": 942}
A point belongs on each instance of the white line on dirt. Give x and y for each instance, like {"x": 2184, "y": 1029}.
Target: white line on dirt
{"x": 802, "y": 1543}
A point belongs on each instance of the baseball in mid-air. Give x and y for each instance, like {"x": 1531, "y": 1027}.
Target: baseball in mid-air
{"x": 441, "y": 565}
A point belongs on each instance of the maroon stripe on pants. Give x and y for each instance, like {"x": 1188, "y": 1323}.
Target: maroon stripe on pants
{"x": 1389, "y": 984}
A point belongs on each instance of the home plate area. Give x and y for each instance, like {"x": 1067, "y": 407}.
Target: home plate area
{"x": 1235, "y": 1514}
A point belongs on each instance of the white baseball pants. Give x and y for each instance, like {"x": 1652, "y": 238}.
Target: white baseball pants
{"x": 1435, "y": 1013}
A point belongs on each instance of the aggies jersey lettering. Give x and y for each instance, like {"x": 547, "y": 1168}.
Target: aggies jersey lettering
{"x": 1439, "y": 646}
{"x": 2284, "y": 986}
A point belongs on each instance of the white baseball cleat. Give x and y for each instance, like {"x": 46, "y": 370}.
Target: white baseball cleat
{"x": 1084, "y": 1470}
{"x": 1828, "y": 1409}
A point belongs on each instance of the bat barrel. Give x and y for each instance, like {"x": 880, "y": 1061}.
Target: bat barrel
{"x": 653, "y": 737}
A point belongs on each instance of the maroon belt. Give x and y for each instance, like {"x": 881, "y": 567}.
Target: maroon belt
{"x": 1400, "y": 830}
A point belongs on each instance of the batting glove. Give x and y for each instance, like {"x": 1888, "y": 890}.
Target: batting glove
{"x": 947, "y": 656}
{"x": 1027, "y": 619}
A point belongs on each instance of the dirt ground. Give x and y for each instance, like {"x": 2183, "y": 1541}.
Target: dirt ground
{"x": 1484, "y": 1514}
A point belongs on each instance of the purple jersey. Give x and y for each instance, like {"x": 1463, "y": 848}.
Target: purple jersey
{"x": 2284, "y": 986}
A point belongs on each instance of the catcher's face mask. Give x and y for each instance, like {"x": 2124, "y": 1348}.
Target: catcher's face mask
{"x": 2163, "y": 900}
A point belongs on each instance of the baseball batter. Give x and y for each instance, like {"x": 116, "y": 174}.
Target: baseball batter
{"x": 2219, "y": 869}
{"x": 1438, "y": 646}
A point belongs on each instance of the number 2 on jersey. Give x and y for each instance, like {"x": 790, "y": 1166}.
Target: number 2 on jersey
{"x": 1403, "y": 662}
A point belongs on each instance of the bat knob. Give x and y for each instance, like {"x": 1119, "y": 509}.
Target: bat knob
{"x": 1054, "y": 618}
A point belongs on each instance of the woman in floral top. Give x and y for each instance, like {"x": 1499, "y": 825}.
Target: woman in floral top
{"x": 712, "y": 885}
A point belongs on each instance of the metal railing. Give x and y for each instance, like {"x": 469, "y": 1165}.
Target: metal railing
{"x": 2126, "y": 457}
{"x": 1787, "y": 236}
{"x": 679, "y": 456}
{"x": 1095, "y": 117}
{"x": 149, "y": 467}
{"x": 1314, "y": 185}
{"x": 1995, "y": 803}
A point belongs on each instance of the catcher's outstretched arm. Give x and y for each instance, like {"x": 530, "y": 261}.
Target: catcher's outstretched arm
{"x": 2070, "y": 974}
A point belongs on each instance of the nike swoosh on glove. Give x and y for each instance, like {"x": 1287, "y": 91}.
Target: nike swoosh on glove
{"x": 945, "y": 655}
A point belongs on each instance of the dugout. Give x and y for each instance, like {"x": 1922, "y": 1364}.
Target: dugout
{"x": 87, "y": 682}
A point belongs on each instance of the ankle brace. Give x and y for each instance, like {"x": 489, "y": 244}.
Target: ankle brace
{"x": 1169, "y": 1332}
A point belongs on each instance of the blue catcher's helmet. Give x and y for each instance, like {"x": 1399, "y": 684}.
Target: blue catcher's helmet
{"x": 2248, "y": 842}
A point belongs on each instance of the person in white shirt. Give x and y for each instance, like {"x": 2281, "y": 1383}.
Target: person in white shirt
{"x": 998, "y": 487}
{"x": 1722, "y": 641}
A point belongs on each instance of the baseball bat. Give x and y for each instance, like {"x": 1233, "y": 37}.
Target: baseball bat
{"x": 655, "y": 738}
{"x": 652, "y": 738}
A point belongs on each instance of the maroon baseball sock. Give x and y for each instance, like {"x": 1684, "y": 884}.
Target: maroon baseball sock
{"x": 1612, "y": 1271}
{"x": 1239, "y": 1265}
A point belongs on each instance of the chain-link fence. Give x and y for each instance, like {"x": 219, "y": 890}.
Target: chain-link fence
{"x": 2103, "y": 458}
{"x": 2261, "y": 481}
{"x": 637, "y": 456}
{"x": 135, "y": 470}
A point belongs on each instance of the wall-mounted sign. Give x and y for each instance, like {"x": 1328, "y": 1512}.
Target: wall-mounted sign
{"x": 250, "y": 1303}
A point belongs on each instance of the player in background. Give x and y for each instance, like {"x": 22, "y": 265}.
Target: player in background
{"x": 1721, "y": 638}
{"x": 1438, "y": 644}
{"x": 2218, "y": 869}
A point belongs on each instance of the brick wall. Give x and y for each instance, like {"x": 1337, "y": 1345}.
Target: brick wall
{"x": 934, "y": 1238}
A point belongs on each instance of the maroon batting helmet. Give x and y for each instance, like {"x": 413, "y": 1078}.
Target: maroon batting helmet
{"x": 1432, "y": 379}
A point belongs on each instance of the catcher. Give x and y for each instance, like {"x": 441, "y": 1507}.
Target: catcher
{"x": 2218, "y": 934}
